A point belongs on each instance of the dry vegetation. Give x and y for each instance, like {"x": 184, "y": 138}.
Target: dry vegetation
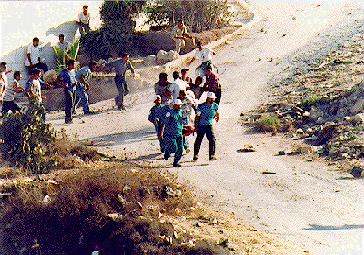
{"x": 116, "y": 209}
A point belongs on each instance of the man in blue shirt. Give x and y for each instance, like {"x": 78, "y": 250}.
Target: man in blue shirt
{"x": 68, "y": 78}
{"x": 206, "y": 114}
{"x": 83, "y": 77}
{"x": 172, "y": 133}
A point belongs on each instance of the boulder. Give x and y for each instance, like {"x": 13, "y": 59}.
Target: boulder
{"x": 165, "y": 57}
{"x": 50, "y": 76}
{"x": 358, "y": 106}
{"x": 150, "y": 60}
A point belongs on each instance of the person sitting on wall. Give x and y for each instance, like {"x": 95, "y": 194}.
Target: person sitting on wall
{"x": 33, "y": 60}
{"x": 179, "y": 36}
{"x": 62, "y": 44}
{"x": 83, "y": 20}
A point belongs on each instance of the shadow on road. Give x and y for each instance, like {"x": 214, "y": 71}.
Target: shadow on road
{"x": 342, "y": 227}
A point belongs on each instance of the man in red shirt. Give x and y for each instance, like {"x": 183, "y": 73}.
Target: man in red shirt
{"x": 212, "y": 84}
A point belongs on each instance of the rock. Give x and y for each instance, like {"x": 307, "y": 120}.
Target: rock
{"x": 281, "y": 153}
{"x": 150, "y": 60}
{"x": 126, "y": 189}
{"x": 356, "y": 172}
{"x": 306, "y": 114}
{"x": 165, "y": 57}
{"x": 115, "y": 216}
{"x": 247, "y": 148}
{"x": 300, "y": 131}
{"x": 121, "y": 199}
{"x": 50, "y": 76}
{"x": 46, "y": 199}
{"x": 358, "y": 106}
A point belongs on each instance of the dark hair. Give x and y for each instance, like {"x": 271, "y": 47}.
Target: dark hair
{"x": 70, "y": 62}
{"x": 199, "y": 78}
{"x": 92, "y": 63}
{"x": 85, "y": 6}
{"x": 35, "y": 39}
{"x": 16, "y": 73}
{"x": 180, "y": 20}
{"x": 209, "y": 67}
{"x": 35, "y": 71}
{"x": 123, "y": 54}
{"x": 3, "y": 64}
{"x": 198, "y": 43}
{"x": 61, "y": 36}
{"x": 163, "y": 76}
{"x": 175, "y": 74}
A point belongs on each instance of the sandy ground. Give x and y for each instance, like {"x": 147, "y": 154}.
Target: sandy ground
{"x": 306, "y": 203}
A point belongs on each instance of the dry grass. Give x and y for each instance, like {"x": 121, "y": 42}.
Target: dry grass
{"x": 105, "y": 205}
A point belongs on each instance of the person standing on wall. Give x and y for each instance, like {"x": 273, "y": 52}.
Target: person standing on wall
{"x": 83, "y": 20}
{"x": 121, "y": 65}
{"x": 33, "y": 59}
{"x": 179, "y": 36}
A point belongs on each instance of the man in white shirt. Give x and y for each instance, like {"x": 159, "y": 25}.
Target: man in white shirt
{"x": 33, "y": 59}
{"x": 83, "y": 20}
{"x": 3, "y": 78}
{"x": 177, "y": 85}
{"x": 62, "y": 44}
{"x": 203, "y": 54}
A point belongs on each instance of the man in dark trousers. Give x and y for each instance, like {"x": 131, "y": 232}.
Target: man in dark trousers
{"x": 213, "y": 84}
{"x": 68, "y": 78}
{"x": 121, "y": 65}
{"x": 205, "y": 115}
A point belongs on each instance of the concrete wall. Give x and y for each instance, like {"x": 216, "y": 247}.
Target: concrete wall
{"x": 21, "y": 21}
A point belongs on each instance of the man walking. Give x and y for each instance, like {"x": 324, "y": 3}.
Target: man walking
{"x": 68, "y": 77}
{"x": 212, "y": 84}
{"x": 206, "y": 113}
{"x": 172, "y": 133}
{"x": 83, "y": 77}
{"x": 161, "y": 88}
{"x": 177, "y": 85}
{"x": 33, "y": 59}
{"x": 121, "y": 66}
{"x": 203, "y": 54}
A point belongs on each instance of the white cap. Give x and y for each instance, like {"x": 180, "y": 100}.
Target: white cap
{"x": 177, "y": 101}
{"x": 156, "y": 97}
{"x": 211, "y": 95}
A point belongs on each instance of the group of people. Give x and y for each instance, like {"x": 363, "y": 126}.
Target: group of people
{"x": 177, "y": 114}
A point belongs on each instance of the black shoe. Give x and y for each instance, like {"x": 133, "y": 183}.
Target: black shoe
{"x": 122, "y": 108}
{"x": 176, "y": 165}
{"x": 126, "y": 92}
{"x": 212, "y": 158}
{"x": 195, "y": 157}
{"x": 166, "y": 157}
{"x": 89, "y": 113}
{"x": 68, "y": 121}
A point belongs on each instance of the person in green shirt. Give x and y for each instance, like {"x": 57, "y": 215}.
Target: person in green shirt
{"x": 205, "y": 115}
{"x": 172, "y": 133}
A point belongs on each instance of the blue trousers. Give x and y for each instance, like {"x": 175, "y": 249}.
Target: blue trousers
{"x": 158, "y": 131}
{"x": 173, "y": 144}
{"x": 81, "y": 96}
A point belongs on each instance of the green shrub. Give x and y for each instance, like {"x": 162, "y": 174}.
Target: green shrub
{"x": 269, "y": 123}
{"x": 62, "y": 57}
{"x": 312, "y": 100}
{"x": 28, "y": 139}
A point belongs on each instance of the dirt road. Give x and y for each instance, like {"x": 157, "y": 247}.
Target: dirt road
{"x": 304, "y": 202}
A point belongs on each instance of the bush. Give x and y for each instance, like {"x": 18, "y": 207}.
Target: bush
{"x": 312, "y": 100}
{"x": 112, "y": 207}
{"x": 31, "y": 143}
{"x": 269, "y": 123}
{"x": 198, "y": 15}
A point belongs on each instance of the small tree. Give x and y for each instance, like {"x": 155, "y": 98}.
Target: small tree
{"x": 62, "y": 56}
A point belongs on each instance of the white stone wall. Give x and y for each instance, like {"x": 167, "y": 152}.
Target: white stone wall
{"x": 21, "y": 21}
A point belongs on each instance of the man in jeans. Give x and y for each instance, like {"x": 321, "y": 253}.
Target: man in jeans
{"x": 121, "y": 65}
{"x": 206, "y": 113}
{"x": 83, "y": 77}
{"x": 68, "y": 77}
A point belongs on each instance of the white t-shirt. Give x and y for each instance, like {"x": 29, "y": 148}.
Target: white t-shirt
{"x": 176, "y": 86}
{"x": 204, "y": 55}
{"x": 34, "y": 54}
{"x": 84, "y": 18}
{"x": 9, "y": 93}
{"x": 3, "y": 80}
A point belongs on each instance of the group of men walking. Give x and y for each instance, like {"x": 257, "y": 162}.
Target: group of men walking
{"x": 177, "y": 114}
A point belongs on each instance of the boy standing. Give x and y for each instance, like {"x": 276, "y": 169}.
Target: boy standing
{"x": 8, "y": 96}
{"x": 155, "y": 118}
{"x": 68, "y": 77}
